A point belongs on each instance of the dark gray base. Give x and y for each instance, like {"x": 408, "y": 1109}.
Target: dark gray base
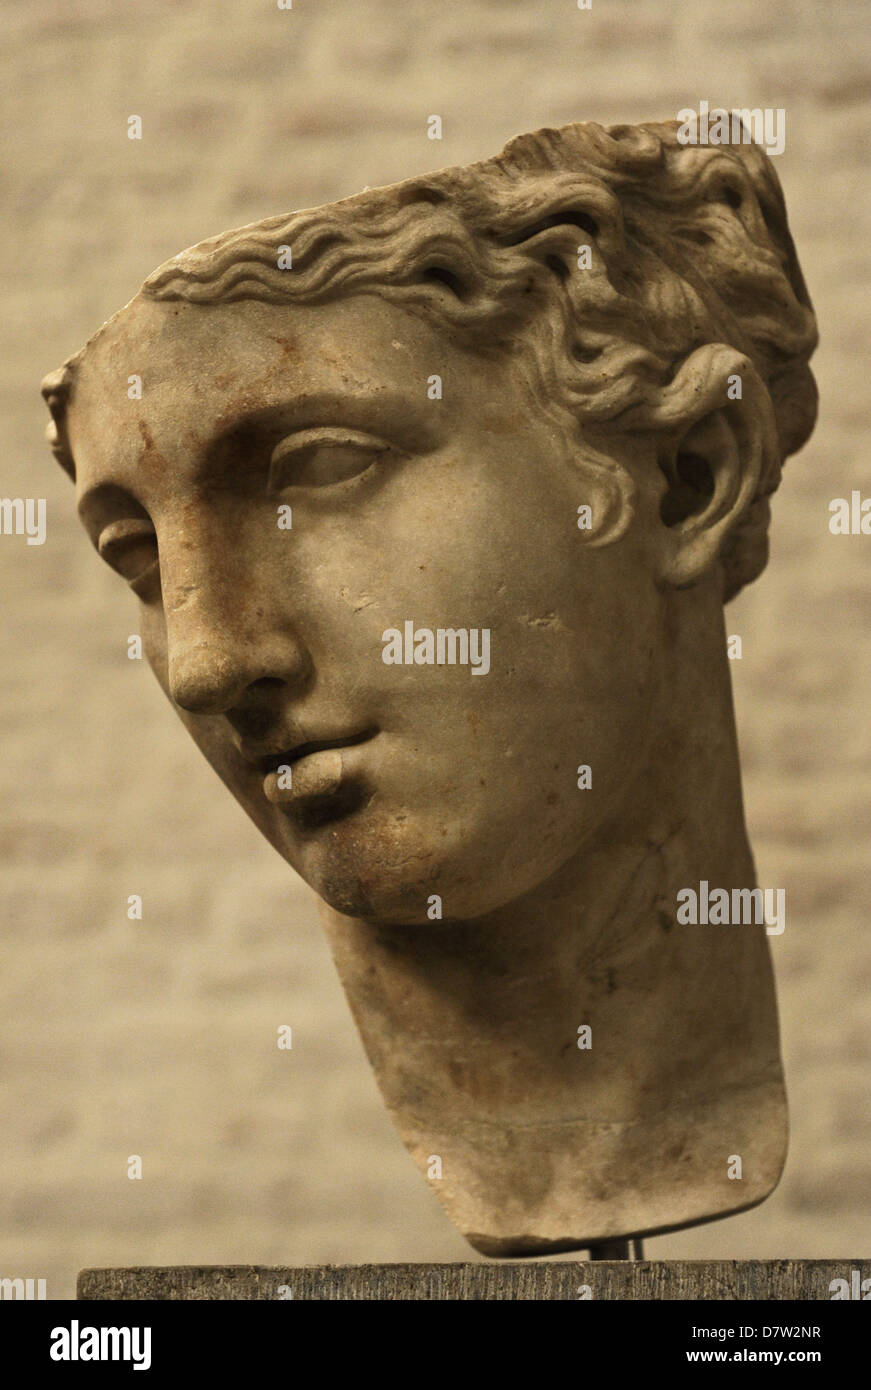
{"x": 550, "y": 1279}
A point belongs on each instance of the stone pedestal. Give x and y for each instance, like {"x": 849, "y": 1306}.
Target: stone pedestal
{"x": 722, "y": 1280}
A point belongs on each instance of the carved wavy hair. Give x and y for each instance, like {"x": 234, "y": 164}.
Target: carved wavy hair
{"x": 690, "y": 246}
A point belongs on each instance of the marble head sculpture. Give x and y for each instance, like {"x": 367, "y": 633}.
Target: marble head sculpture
{"x": 432, "y": 499}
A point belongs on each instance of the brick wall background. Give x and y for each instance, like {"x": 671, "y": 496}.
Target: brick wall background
{"x": 158, "y": 1038}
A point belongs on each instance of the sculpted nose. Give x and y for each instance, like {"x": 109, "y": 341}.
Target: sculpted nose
{"x": 217, "y": 651}
{"x": 214, "y": 676}
{"x": 227, "y": 622}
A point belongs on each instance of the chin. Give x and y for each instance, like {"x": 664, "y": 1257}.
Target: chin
{"x": 373, "y": 894}
{"x": 386, "y": 865}
{"x": 371, "y": 899}
{"x": 376, "y": 892}
{"x": 386, "y": 869}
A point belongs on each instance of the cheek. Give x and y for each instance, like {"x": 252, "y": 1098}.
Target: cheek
{"x": 482, "y": 788}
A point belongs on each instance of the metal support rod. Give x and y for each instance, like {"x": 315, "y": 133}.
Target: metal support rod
{"x": 629, "y": 1249}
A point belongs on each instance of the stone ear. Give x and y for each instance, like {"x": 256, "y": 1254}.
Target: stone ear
{"x": 717, "y": 452}
{"x": 55, "y": 390}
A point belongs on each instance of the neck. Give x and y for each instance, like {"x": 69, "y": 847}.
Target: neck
{"x": 535, "y": 1141}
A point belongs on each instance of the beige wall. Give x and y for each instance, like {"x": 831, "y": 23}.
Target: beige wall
{"x": 158, "y": 1038}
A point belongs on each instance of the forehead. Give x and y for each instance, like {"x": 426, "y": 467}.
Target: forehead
{"x": 166, "y": 374}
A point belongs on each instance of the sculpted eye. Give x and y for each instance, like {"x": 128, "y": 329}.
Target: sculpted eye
{"x": 130, "y": 547}
{"x": 323, "y": 457}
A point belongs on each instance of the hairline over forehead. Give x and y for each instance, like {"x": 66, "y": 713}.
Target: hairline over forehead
{"x": 691, "y": 246}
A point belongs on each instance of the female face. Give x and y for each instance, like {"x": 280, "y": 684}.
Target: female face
{"x": 266, "y": 626}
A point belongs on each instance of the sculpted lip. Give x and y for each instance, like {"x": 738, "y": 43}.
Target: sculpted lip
{"x": 317, "y": 771}
{"x": 289, "y": 757}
